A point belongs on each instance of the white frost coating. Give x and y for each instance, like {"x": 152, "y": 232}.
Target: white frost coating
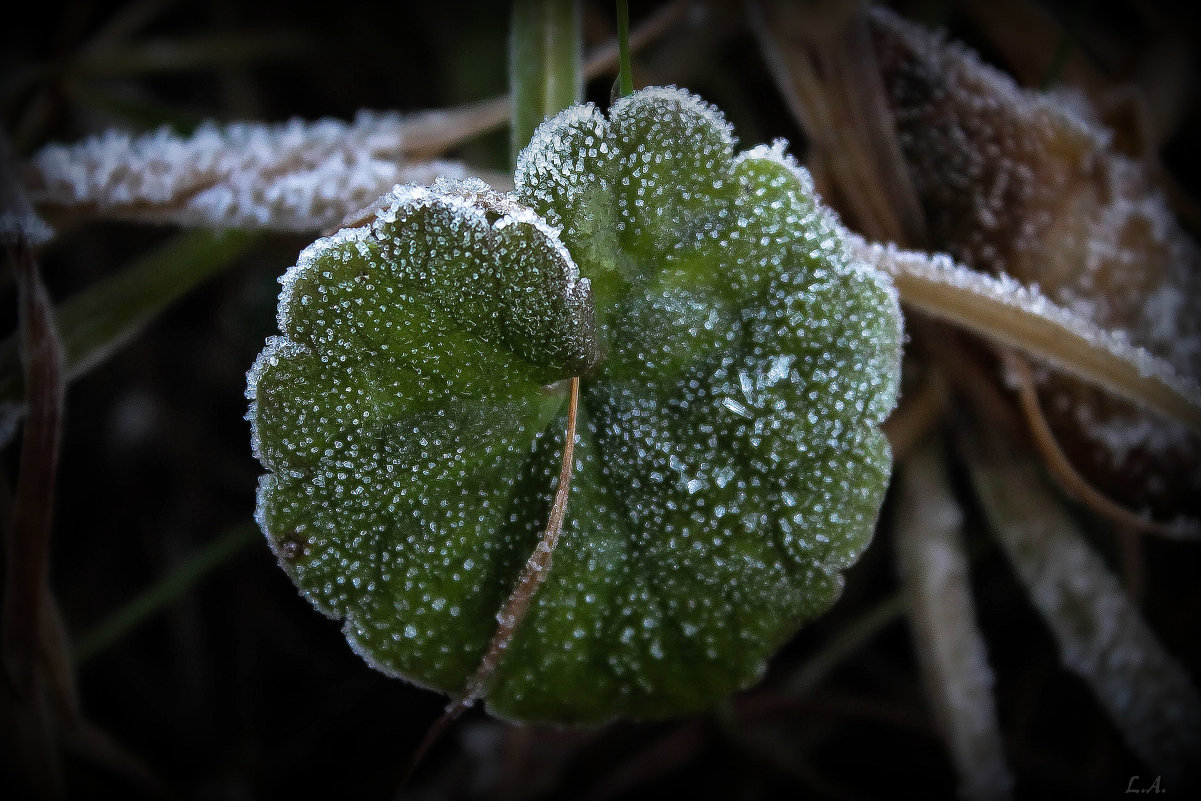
{"x": 277, "y": 347}
{"x": 1011, "y": 313}
{"x": 525, "y": 216}
{"x": 469, "y": 214}
{"x": 291, "y": 176}
{"x": 303, "y": 262}
{"x": 950, "y": 648}
{"x": 777, "y": 153}
{"x": 728, "y": 462}
{"x": 998, "y": 89}
{"x": 1100, "y": 633}
{"x": 687, "y": 103}
{"x": 540, "y": 160}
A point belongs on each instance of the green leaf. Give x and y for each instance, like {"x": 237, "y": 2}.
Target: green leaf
{"x": 729, "y": 464}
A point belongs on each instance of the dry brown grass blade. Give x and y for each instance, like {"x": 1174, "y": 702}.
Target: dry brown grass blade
{"x": 295, "y": 176}
{"x": 34, "y": 670}
{"x": 1007, "y": 313}
{"x": 1100, "y": 634}
{"x": 824, "y": 65}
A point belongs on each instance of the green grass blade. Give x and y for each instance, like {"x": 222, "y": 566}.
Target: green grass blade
{"x": 624, "y": 74}
{"x": 544, "y": 64}
{"x": 99, "y": 321}
{"x": 165, "y": 591}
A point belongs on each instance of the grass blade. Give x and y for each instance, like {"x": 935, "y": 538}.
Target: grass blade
{"x": 97, "y": 323}
{"x": 544, "y": 64}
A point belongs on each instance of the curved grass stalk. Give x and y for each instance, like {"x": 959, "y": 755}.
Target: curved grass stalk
{"x": 1069, "y": 478}
{"x": 1012, "y": 314}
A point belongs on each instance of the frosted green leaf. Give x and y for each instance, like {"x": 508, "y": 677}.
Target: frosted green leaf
{"x": 728, "y": 466}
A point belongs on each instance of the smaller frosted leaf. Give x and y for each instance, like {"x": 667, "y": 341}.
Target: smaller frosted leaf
{"x": 559, "y": 332}
{"x": 675, "y": 156}
{"x": 566, "y": 174}
{"x": 419, "y": 361}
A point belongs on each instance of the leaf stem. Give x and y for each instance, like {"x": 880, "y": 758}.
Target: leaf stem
{"x": 536, "y": 567}
{"x": 511, "y": 615}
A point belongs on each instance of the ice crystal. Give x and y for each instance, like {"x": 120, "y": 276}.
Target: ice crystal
{"x": 292, "y": 176}
{"x": 729, "y": 464}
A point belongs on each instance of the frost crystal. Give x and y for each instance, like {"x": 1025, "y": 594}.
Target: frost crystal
{"x": 290, "y": 176}
{"x": 729, "y": 463}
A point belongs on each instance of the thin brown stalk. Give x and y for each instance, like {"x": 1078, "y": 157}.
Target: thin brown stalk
{"x": 28, "y": 549}
{"x": 1066, "y": 474}
{"x": 33, "y": 670}
{"x": 511, "y": 615}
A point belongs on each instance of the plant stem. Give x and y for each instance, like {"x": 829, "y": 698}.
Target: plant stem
{"x": 545, "y": 71}
{"x": 511, "y": 615}
{"x": 624, "y": 73}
